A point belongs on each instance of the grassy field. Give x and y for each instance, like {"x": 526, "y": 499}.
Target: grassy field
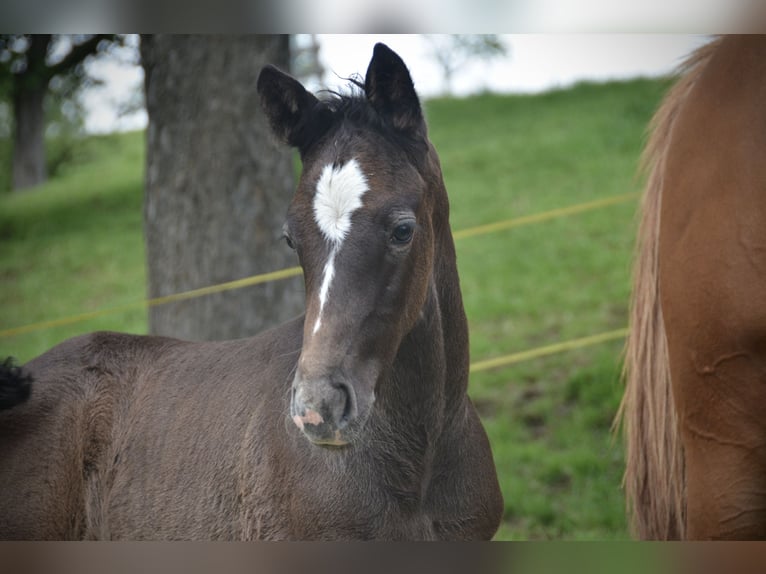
{"x": 75, "y": 246}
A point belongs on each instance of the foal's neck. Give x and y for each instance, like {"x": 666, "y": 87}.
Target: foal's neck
{"x": 430, "y": 374}
{"x": 454, "y": 324}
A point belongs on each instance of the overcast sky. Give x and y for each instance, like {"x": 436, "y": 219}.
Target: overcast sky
{"x": 534, "y": 63}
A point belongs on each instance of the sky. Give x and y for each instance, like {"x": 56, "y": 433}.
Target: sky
{"x": 534, "y": 63}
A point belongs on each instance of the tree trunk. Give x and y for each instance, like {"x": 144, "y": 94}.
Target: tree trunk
{"x": 29, "y": 167}
{"x": 217, "y": 186}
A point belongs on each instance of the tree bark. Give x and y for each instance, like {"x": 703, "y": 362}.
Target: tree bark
{"x": 217, "y": 186}
{"x": 29, "y": 166}
{"x": 28, "y": 93}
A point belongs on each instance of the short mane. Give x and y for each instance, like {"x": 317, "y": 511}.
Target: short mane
{"x": 352, "y": 107}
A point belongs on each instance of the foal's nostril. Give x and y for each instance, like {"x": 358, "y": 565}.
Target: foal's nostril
{"x": 346, "y": 403}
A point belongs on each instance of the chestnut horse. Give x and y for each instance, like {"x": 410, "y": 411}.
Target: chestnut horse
{"x": 349, "y": 422}
{"x": 695, "y": 399}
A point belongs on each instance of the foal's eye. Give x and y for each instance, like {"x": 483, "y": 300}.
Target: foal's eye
{"x": 403, "y": 233}
{"x": 288, "y": 239}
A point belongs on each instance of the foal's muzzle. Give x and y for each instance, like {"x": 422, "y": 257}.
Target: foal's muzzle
{"x": 323, "y": 409}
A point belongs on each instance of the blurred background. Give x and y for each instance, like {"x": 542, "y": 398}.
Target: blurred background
{"x": 442, "y": 64}
{"x": 134, "y": 169}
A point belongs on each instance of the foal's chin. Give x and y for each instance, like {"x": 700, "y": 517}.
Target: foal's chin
{"x": 336, "y": 441}
{"x": 331, "y": 437}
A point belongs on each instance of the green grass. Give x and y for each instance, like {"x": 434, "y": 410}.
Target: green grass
{"x": 75, "y": 245}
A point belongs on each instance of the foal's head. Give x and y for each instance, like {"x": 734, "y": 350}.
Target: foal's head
{"x": 361, "y": 224}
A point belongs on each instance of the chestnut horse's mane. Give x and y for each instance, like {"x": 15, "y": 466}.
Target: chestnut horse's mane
{"x": 654, "y": 478}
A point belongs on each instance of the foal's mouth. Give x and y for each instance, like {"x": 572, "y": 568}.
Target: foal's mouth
{"x": 316, "y": 430}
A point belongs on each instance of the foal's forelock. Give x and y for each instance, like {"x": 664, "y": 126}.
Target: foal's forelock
{"x": 339, "y": 192}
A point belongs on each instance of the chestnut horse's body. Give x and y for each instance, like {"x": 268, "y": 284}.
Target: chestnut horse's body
{"x": 351, "y": 422}
{"x": 695, "y": 402}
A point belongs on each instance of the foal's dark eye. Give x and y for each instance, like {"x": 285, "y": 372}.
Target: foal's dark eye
{"x": 403, "y": 233}
{"x": 287, "y": 238}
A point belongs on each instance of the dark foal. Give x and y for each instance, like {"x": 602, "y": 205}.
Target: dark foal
{"x": 351, "y": 422}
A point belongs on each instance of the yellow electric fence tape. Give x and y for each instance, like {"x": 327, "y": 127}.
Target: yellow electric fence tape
{"x": 570, "y": 345}
{"x": 293, "y": 271}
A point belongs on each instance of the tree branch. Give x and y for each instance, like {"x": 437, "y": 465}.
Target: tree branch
{"x": 77, "y": 54}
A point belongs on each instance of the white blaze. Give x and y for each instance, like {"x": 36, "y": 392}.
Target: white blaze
{"x": 339, "y": 194}
{"x": 329, "y": 273}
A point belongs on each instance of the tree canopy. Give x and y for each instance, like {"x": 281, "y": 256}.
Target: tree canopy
{"x": 32, "y": 67}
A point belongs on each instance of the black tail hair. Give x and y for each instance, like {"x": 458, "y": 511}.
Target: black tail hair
{"x": 15, "y": 384}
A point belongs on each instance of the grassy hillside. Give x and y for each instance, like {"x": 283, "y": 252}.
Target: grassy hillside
{"x": 75, "y": 245}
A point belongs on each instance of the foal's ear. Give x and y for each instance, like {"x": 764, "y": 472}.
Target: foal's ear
{"x": 295, "y": 115}
{"x": 390, "y": 91}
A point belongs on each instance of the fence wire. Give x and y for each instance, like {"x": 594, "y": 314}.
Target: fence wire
{"x": 281, "y": 274}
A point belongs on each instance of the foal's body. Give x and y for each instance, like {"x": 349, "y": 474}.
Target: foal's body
{"x": 112, "y": 475}
{"x": 131, "y": 437}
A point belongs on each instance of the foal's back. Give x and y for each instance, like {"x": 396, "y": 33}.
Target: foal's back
{"x": 103, "y": 447}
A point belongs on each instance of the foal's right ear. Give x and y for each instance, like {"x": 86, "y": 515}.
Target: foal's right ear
{"x": 294, "y": 114}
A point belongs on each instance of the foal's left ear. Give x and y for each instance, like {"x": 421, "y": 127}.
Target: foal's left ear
{"x": 296, "y": 116}
{"x": 390, "y": 91}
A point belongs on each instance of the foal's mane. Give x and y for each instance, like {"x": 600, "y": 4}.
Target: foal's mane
{"x": 353, "y": 107}
{"x": 654, "y": 478}
{"x": 352, "y": 104}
